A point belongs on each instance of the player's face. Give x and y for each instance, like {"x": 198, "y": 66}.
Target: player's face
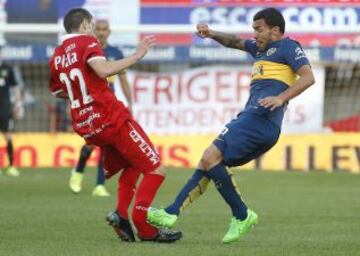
{"x": 102, "y": 31}
{"x": 262, "y": 33}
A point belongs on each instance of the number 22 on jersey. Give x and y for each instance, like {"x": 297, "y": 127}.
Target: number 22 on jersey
{"x": 74, "y": 74}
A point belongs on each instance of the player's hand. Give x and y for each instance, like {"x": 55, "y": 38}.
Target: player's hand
{"x": 144, "y": 46}
{"x": 271, "y": 102}
{"x": 203, "y": 30}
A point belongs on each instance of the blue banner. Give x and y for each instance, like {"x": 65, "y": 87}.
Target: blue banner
{"x": 190, "y": 54}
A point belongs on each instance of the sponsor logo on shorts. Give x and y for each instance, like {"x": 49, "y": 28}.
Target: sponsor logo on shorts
{"x": 88, "y": 121}
{"x": 144, "y": 146}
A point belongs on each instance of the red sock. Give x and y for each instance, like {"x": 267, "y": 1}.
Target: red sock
{"x": 144, "y": 196}
{"x": 126, "y": 190}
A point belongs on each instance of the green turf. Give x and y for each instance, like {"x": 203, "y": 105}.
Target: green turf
{"x": 299, "y": 213}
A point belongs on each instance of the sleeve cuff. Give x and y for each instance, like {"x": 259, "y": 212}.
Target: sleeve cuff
{"x": 57, "y": 92}
{"x": 95, "y": 58}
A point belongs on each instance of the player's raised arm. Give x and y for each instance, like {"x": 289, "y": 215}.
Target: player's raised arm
{"x": 227, "y": 40}
{"x": 104, "y": 68}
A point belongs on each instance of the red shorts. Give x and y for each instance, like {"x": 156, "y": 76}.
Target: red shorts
{"x": 128, "y": 146}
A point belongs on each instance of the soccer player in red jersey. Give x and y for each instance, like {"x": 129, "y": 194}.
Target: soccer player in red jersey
{"x": 78, "y": 72}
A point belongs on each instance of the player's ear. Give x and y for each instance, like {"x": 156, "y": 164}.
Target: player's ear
{"x": 82, "y": 26}
{"x": 276, "y": 29}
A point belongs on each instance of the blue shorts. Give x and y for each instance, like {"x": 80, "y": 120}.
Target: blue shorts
{"x": 246, "y": 138}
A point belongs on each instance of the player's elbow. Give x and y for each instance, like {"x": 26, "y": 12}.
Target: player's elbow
{"x": 308, "y": 79}
{"x": 311, "y": 79}
{"x": 61, "y": 95}
{"x": 102, "y": 74}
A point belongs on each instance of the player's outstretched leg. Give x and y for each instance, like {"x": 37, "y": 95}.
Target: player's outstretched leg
{"x": 126, "y": 190}
{"x": 239, "y": 228}
{"x": 77, "y": 174}
{"x": 100, "y": 189}
{"x": 167, "y": 217}
{"x": 121, "y": 226}
{"x": 143, "y": 198}
{"x": 119, "y": 219}
{"x": 243, "y": 218}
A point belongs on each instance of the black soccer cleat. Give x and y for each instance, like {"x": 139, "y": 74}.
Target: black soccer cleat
{"x": 164, "y": 236}
{"x": 121, "y": 226}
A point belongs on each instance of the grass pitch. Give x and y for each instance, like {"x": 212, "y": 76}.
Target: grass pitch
{"x": 299, "y": 214}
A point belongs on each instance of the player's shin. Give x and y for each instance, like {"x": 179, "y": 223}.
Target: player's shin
{"x": 84, "y": 156}
{"x": 225, "y": 184}
{"x": 10, "y": 151}
{"x": 100, "y": 180}
{"x": 145, "y": 194}
{"x": 195, "y": 187}
{"x": 126, "y": 190}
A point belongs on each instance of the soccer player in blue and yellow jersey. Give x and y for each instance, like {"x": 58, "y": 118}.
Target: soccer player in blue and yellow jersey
{"x": 281, "y": 72}
{"x": 102, "y": 31}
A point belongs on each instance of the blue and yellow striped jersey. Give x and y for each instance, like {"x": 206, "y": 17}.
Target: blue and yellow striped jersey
{"x": 273, "y": 72}
{"x": 112, "y": 53}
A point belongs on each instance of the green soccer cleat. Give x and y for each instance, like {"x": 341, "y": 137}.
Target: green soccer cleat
{"x": 12, "y": 171}
{"x": 100, "y": 191}
{"x": 239, "y": 228}
{"x": 160, "y": 218}
{"x": 75, "y": 182}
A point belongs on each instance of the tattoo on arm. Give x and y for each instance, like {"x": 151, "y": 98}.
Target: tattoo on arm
{"x": 228, "y": 40}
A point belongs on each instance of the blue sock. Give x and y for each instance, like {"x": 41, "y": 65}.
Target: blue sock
{"x": 84, "y": 156}
{"x": 195, "y": 186}
{"x": 100, "y": 173}
{"x": 225, "y": 184}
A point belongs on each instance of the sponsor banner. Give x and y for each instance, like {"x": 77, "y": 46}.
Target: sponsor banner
{"x": 185, "y": 54}
{"x": 327, "y": 152}
{"x": 314, "y": 17}
{"x": 318, "y": 15}
{"x": 203, "y": 100}
{"x": 248, "y": 2}
{"x": 306, "y": 40}
{"x": 338, "y": 15}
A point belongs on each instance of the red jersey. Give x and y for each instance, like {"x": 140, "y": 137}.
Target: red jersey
{"x": 93, "y": 104}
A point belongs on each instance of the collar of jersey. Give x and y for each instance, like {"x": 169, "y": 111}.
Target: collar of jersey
{"x": 272, "y": 44}
{"x": 68, "y": 36}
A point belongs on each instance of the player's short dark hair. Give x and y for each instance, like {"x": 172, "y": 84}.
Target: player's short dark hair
{"x": 74, "y": 18}
{"x": 272, "y": 17}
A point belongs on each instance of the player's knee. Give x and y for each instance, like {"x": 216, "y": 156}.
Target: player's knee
{"x": 210, "y": 159}
{"x": 8, "y": 136}
{"x": 206, "y": 161}
{"x": 200, "y": 165}
{"x": 128, "y": 178}
{"x": 159, "y": 171}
